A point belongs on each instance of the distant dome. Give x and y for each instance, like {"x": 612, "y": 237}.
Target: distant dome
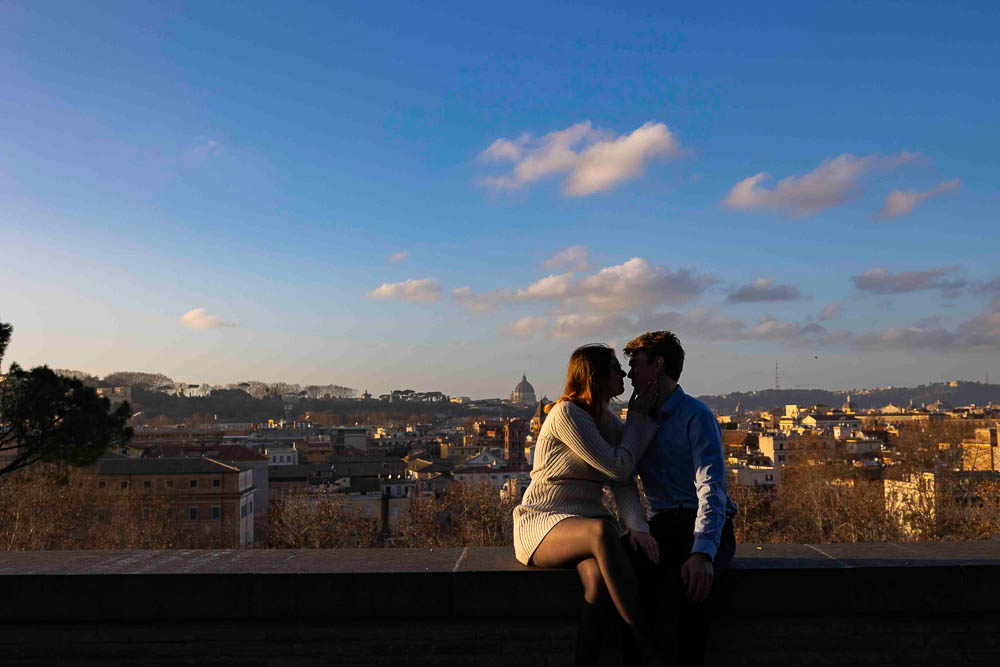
{"x": 524, "y": 393}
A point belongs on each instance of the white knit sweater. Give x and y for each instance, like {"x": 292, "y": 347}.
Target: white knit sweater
{"x": 574, "y": 461}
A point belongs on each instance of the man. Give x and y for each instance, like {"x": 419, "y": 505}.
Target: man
{"x": 684, "y": 479}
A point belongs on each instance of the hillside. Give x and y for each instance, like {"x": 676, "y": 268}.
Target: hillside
{"x": 962, "y": 393}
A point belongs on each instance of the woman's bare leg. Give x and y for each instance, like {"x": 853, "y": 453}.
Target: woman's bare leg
{"x": 578, "y": 539}
{"x": 595, "y": 616}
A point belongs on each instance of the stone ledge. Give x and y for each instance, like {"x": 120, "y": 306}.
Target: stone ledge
{"x": 851, "y": 605}
{"x": 247, "y": 584}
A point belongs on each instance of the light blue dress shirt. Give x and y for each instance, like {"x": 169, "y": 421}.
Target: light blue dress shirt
{"x": 684, "y": 468}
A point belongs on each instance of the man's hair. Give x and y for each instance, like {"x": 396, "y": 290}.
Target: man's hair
{"x": 664, "y": 344}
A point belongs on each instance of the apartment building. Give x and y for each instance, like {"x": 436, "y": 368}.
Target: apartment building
{"x": 211, "y": 497}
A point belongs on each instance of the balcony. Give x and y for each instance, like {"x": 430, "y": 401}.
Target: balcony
{"x": 847, "y": 604}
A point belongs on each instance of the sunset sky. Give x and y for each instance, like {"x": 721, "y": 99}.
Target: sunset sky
{"x": 387, "y": 195}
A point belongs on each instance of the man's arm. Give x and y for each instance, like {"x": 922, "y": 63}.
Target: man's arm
{"x": 710, "y": 484}
{"x": 709, "y": 481}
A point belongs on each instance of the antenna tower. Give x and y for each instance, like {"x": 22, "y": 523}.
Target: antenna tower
{"x": 777, "y": 382}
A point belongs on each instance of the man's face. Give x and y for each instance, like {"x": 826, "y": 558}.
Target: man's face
{"x": 642, "y": 372}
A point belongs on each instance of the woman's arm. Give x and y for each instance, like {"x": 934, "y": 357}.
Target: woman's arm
{"x": 630, "y": 506}
{"x": 577, "y": 430}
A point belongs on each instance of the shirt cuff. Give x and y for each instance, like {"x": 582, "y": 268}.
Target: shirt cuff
{"x": 705, "y": 546}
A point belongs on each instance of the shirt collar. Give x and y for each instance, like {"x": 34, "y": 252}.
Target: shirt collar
{"x": 673, "y": 403}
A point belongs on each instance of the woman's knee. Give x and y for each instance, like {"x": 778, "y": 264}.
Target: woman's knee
{"x": 604, "y": 536}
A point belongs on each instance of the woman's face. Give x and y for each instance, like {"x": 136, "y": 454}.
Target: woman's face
{"x": 616, "y": 382}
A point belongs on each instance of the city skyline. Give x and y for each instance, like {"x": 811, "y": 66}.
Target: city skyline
{"x": 388, "y": 197}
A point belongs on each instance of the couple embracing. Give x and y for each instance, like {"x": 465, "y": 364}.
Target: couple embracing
{"x": 673, "y": 443}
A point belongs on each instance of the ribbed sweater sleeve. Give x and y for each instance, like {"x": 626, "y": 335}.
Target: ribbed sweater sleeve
{"x": 574, "y": 427}
{"x": 629, "y": 506}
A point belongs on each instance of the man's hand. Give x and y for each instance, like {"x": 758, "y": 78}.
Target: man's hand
{"x": 647, "y": 543}
{"x": 697, "y": 572}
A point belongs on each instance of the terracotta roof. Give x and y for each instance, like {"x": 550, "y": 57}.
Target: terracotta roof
{"x": 734, "y": 437}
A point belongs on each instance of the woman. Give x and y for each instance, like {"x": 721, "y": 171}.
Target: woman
{"x": 562, "y": 521}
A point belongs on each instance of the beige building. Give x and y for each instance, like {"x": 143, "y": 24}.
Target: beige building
{"x": 981, "y": 452}
{"x": 748, "y": 474}
{"x": 210, "y": 497}
{"x": 783, "y": 449}
{"x": 911, "y": 501}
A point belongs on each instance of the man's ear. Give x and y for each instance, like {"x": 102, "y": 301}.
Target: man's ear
{"x": 659, "y": 364}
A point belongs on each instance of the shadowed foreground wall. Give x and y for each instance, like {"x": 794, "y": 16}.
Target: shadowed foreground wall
{"x": 878, "y": 604}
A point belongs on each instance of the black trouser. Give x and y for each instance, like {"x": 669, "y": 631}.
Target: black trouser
{"x": 664, "y": 592}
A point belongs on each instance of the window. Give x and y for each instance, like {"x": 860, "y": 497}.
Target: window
{"x": 243, "y": 511}
{"x": 147, "y": 484}
{"x": 216, "y": 483}
{"x": 100, "y": 485}
{"x": 125, "y": 484}
{"x": 251, "y": 507}
{"x": 216, "y": 513}
{"x": 193, "y": 513}
{"x": 145, "y": 513}
{"x": 170, "y": 484}
{"x": 193, "y": 484}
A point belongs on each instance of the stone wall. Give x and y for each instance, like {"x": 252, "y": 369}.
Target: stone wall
{"x": 884, "y": 604}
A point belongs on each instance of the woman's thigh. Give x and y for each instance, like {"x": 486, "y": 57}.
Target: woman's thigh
{"x": 570, "y": 541}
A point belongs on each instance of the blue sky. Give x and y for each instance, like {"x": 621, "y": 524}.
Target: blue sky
{"x": 295, "y": 191}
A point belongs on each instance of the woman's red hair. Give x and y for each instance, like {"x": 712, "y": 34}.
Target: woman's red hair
{"x": 587, "y": 379}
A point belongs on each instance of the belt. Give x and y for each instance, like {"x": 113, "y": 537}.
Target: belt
{"x": 685, "y": 508}
{"x": 676, "y": 508}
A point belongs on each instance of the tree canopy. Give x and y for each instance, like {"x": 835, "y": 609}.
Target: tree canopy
{"x": 48, "y": 417}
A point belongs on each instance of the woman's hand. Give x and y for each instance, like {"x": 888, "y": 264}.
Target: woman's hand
{"x": 643, "y": 402}
{"x": 647, "y": 543}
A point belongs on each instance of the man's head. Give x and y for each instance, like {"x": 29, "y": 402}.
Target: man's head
{"x": 653, "y": 355}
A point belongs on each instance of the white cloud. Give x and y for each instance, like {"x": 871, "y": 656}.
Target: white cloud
{"x": 637, "y": 284}
{"x": 505, "y": 150}
{"x": 705, "y": 323}
{"x": 199, "y": 318}
{"x": 555, "y": 286}
{"x": 977, "y": 334}
{"x": 880, "y": 281}
{"x": 592, "y": 325}
{"x": 574, "y": 258}
{"x": 527, "y": 326}
{"x": 481, "y": 303}
{"x": 201, "y": 151}
{"x": 424, "y": 290}
{"x": 607, "y": 163}
{"x": 992, "y": 287}
{"x": 834, "y": 182}
{"x": 594, "y": 160}
{"x": 902, "y": 202}
{"x": 831, "y": 311}
{"x": 763, "y": 289}
{"x": 399, "y": 256}
{"x": 632, "y": 285}
{"x": 702, "y": 324}
{"x": 628, "y": 287}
